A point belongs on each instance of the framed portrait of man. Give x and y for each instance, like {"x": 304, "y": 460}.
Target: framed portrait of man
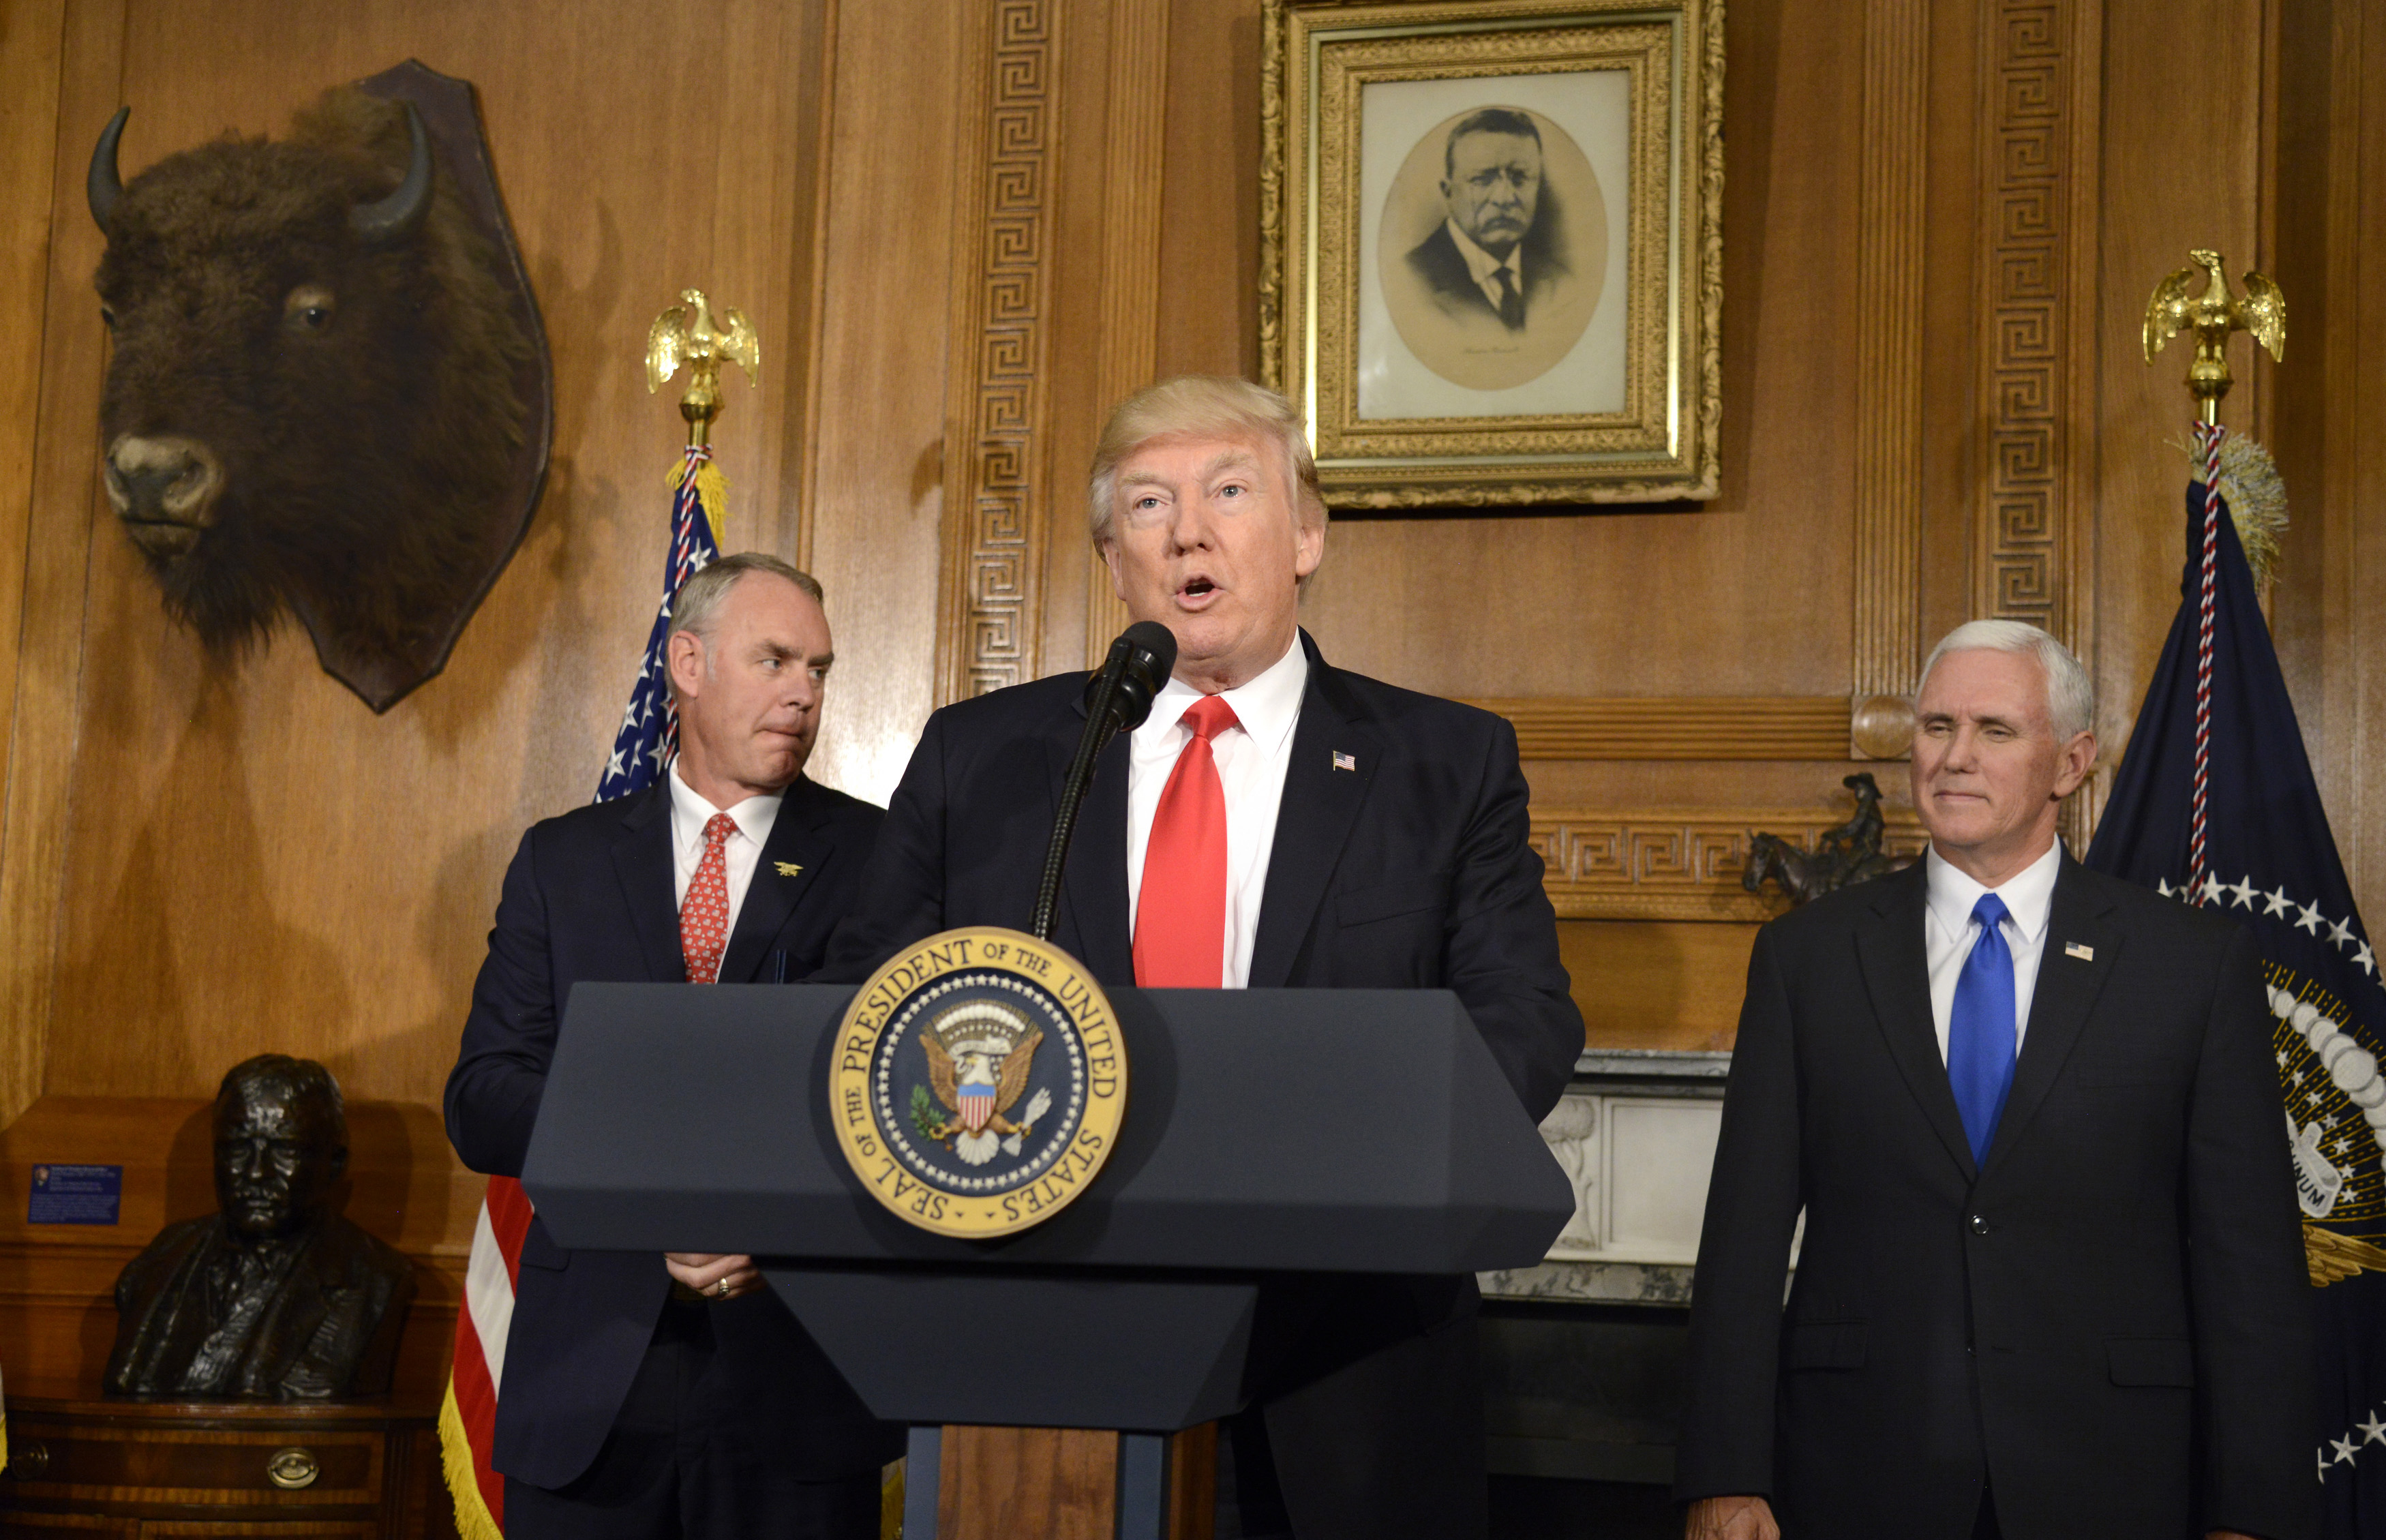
{"x": 1492, "y": 254}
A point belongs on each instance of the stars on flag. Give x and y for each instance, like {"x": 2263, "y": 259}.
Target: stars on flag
{"x": 2342, "y": 1451}
{"x": 2308, "y": 918}
{"x": 649, "y": 731}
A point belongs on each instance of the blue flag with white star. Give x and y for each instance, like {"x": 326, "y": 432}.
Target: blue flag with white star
{"x": 649, "y": 731}
{"x": 2214, "y": 804}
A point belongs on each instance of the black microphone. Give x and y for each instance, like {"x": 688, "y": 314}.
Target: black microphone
{"x": 1117, "y": 700}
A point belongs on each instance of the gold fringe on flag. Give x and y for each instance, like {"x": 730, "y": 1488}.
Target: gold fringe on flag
{"x": 711, "y": 495}
{"x": 473, "y": 1519}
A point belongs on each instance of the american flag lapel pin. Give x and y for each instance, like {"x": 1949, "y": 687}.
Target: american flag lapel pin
{"x": 2080, "y": 950}
{"x": 1344, "y": 761}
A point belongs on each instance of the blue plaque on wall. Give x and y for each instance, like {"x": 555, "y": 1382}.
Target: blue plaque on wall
{"x": 75, "y": 1194}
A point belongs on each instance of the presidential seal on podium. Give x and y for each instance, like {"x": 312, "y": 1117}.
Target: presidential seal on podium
{"x": 978, "y": 1082}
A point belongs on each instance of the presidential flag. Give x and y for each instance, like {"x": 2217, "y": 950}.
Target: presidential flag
{"x": 642, "y": 749}
{"x": 2215, "y": 805}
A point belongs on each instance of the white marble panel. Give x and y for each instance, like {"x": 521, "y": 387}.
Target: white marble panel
{"x": 1659, "y": 1154}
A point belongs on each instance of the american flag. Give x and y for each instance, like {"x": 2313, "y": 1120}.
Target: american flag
{"x": 642, "y": 747}
{"x": 649, "y": 731}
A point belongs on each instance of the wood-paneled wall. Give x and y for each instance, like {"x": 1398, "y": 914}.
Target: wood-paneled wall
{"x": 964, "y": 227}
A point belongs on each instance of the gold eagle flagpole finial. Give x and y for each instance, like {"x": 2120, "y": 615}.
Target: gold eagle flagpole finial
{"x": 2212, "y": 314}
{"x": 685, "y": 334}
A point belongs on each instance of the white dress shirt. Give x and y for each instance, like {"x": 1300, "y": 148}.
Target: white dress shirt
{"x": 1485, "y": 266}
{"x": 1251, "y": 760}
{"x": 1949, "y": 933}
{"x": 740, "y": 854}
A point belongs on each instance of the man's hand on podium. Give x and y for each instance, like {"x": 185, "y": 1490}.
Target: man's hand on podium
{"x": 1731, "y": 1519}
{"x": 713, "y": 1277}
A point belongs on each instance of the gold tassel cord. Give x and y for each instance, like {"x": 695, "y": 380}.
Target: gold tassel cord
{"x": 711, "y": 494}
{"x": 2256, "y": 496}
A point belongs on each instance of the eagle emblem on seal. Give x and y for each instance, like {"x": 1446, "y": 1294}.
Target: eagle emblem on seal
{"x": 979, "y": 1055}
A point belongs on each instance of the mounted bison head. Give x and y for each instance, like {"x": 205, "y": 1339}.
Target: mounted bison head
{"x": 313, "y": 401}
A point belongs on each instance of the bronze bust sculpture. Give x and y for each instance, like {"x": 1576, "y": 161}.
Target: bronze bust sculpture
{"x": 275, "y": 1297}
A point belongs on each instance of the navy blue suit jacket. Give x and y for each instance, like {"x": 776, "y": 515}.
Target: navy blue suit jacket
{"x": 1413, "y": 868}
{"x": 589, "y": 896}
{"x": 2107, "y": 1321}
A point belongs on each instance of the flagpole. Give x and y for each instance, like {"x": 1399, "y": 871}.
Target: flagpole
{"x": 642, "y": 748}
{"x": 2212, "y": 315}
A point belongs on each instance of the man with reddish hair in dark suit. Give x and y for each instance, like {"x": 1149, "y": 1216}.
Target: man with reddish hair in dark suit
{"x": 649, "y": 1398}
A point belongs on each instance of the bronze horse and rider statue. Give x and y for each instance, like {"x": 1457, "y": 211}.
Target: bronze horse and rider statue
{"x": 1842, "y": 858}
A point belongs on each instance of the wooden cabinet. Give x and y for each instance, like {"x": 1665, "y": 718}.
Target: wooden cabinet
{"x": 140, "y": 1471}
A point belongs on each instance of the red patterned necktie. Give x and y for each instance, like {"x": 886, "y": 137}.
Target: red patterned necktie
{"x": 704, "y": 916}
{"x": 1180, "y": 918}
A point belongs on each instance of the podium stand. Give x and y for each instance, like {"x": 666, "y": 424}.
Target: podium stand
{"x": 1275, "y": 1141}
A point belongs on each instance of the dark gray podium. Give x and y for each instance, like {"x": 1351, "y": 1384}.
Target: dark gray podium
{"x": 1277, "y": 1143}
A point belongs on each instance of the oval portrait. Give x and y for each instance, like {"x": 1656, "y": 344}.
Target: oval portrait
{"x": 1493, "y": 247}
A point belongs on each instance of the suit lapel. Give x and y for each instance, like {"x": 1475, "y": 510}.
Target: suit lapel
{"x": 1897, "y": 975}
{"x": 2066, "y": 991}
{"x": 770, "y": 897}
{"x": 1092, "y": 923}
{"x": 642, "y": 859}
{"x": 1313, "y": 822}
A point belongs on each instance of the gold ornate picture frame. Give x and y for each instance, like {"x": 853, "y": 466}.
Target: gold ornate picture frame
{"x": 1570, "y": 355}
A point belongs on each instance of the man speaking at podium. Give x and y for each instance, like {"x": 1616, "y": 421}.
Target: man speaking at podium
{"x": 648, "y": 1397}
{"x": 1274, "y": 822}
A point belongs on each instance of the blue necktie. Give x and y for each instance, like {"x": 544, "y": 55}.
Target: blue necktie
{"x": 1980, "y": 1029}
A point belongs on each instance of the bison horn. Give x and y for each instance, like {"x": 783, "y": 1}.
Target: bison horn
{"x": 391, "y": 218}
{"x": 101, "y": 186}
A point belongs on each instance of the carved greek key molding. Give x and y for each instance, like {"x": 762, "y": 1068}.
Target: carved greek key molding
{"x": 1676, "y": 727}
{"x": 994, "y": 519}
{"x": 2026, "y": 187}
{"x": 1677, "y": 864}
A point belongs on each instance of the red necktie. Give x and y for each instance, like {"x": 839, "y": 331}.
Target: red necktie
{"x": 1180, "y": 919}
{"x": 704, "y": 916}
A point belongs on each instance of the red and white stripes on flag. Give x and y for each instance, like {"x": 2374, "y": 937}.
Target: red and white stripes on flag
{"x": 468, "y": 1416}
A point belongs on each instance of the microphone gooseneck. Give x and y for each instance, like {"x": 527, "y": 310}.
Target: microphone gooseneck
{"x": 1118, "y": 698}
